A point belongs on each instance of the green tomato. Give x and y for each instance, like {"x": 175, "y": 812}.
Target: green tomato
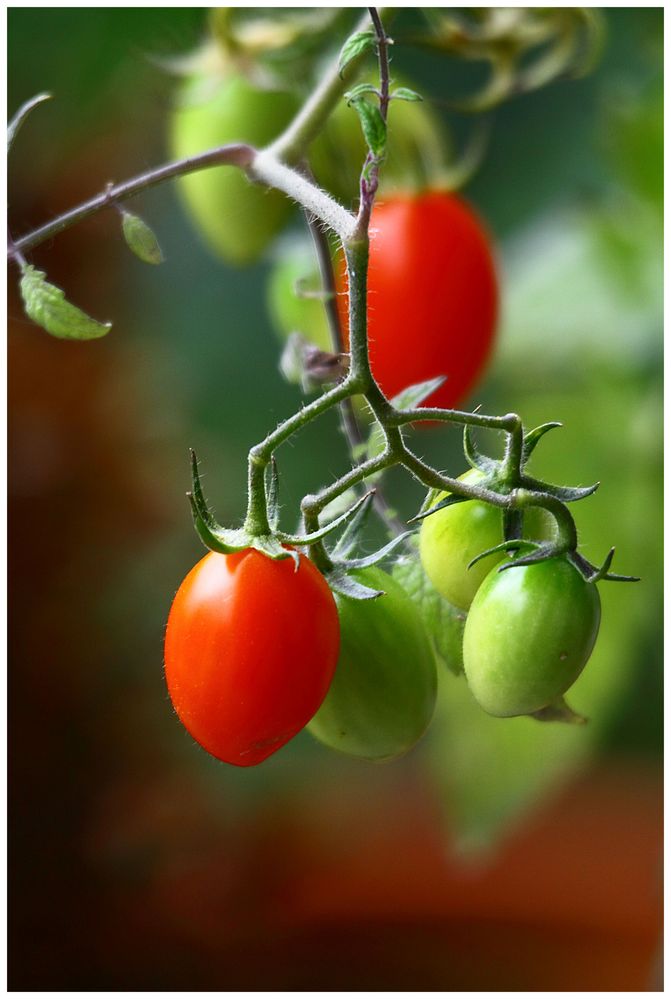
{"x": 292, "y": 313}
{"x": 450, "y": 538}
{"x": 238, "y": 219}
{"x": 529, "y": 633}
{"x": 383, "y": 694}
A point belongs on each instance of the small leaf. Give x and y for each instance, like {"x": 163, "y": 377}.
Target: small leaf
{"x": 372, "y": 125}
{"x": 21, "y": 115}
{"x": 406, "y": 94}
{"x": 141, "y": 239}
{"x": 444, "y": 623}
{"x": 356, "y": 45}
{"x": 541, "y": 554}
{"x": 359, "y": 91}
{"x": 224, "y": 542}
{"x": 414, "y": 395}
{"x": 48, "y": 307}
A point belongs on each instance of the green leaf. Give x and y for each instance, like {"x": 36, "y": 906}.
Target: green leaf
{"x": 444, "y": 623}
{"x": 355, "y": 46}
{"x": 406, "y": 94}
{"x": 359, "y": 91}
{"x": 48, "y": 307}
{"x": 414, "y": 395}
{"x": 141, "y": 239}
{"x": 21, "y": 115}
{"x": 373, "y": 126}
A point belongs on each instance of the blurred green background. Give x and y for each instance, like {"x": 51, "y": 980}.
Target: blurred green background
{"x": 501, "y": 855}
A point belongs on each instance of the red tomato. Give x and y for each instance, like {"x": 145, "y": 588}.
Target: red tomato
{"x": 433, "y": 295}
{"x": 250, "y": 651}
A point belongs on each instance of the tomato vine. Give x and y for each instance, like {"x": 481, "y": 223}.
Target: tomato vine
{"x": 503, "y": 484}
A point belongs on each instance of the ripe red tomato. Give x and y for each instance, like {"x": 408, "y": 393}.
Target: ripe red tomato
{"x": 433, "y": 295}
{"x": 250, "y": 651}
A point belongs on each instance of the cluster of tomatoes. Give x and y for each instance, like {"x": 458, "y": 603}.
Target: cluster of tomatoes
{"x": 529, "y": 629}
{"x": 257, "y": 649}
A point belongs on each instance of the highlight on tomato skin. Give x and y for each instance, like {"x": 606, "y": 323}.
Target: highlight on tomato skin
{"x": 432, "y": 295}
{"x": 250, "y": 651}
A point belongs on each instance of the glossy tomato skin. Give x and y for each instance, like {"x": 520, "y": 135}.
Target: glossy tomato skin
{"x": 384, "y": 691}
{"x": 250, "y": 651}
{"x": 433, "y": 295}
{"x": 450, "y": 538}
{"x": 529, "y": 633}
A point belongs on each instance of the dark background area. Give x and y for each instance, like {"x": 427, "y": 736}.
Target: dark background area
{"x": 506, "y": 856}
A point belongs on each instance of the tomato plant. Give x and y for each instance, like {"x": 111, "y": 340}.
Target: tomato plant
{"x": 384, "y": 690}
{"x": 432, "y": 295}
{"x": 450, "y": 538}
{"x": 528, "y": 635}
{"x": 250, "y": 650}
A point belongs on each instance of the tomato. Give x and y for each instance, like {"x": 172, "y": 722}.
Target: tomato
{"x": 433, "y": 295}
{"x": 383, "y": 695}
{"x": 250, "y": 650}
{"x": 450, "y": 538}
{"x": 237, "y": 218}
{"x": 528, "y": 635}
{"x": 292, "y": 313}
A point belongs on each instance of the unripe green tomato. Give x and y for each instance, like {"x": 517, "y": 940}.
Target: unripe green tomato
{"x": 417, "y": 149}
{"x": 528, "y": 635}
{"x": 450, "y": 538}
{"x": 290, "y": 312}
{"x": 237, "y": 218}
{"x": 383, "y": 694}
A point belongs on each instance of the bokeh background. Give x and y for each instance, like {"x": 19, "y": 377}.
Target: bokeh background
{"x": 506, "y": 856}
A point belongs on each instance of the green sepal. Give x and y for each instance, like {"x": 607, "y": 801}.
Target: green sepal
{"x": 532, "y": 438}
{"x": 474, "y": 456}
{"x": 511, "y": 545}
{"x": 140, "y": 239}
{"x": 559, "y": 711}
{"x": 47, "y": 306}
{"x": 567, "y": 494}
{"x": 541, "y": 554}
{"x": 346, "y": 586}
{"x": 372, "y": 124}
{"x": 448, "y": 501}
{"x": 322, "y": 532}
{"x": 375, "y": 557}
{"x": 21, "y": 115}
{"x": 219, "y": 540}
{"x": 356, "y": 45}
{"x": 350, "y": 536}
{"x": 594, "y": 574}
